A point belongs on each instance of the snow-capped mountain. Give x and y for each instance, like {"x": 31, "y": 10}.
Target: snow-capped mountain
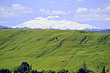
{"x": 51, "y": 22}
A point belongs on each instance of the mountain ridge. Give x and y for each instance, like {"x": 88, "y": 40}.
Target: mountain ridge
{"x": 87, "y": 29}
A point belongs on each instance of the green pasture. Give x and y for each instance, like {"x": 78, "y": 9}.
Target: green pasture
{"x": 54, "y": 49}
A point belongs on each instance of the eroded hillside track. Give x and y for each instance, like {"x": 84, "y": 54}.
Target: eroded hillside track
{"x": 83, "y": 41}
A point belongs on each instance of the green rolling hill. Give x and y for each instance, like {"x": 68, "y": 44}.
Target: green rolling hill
{"x": 54, "y": 49}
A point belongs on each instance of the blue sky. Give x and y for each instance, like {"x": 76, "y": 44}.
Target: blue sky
{"x": 92, "y": 12}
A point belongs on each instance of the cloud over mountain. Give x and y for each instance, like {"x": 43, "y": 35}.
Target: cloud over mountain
{"x": 52, "y": 12}
{"x": 52, "y": 22}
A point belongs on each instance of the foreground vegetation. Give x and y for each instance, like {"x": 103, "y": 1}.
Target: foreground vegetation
{"x": 26, "y": 68}
{"x": 54, "y": 49}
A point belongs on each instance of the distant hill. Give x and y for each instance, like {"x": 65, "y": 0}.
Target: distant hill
{"x": 103, "y": 31}
{"x": 99, "y": 30}
{"x": 22, "y": 28}
{"x": 54, "y": 49}
{"x": 3, "y": 27}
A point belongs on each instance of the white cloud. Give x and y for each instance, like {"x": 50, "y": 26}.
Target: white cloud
{"x": 66, "y": 0}
{"x": 49, "y": 17}
{"x": 81, "y": 10}
{"x": 100, "y": 10}
{"x": 107, "y": 19}
{"x": 44, "y": 11}
{"x": 14, "y": 10}
{"x": 53, "y": 12}
{"x": 80, "y": 0}
{"x": 107, "y": 9}
{"x": 52, "y": 2}
{"x": 85, "y": 14}
{"x": 53, "y": 17}
{"x": 17, "y": 6}
{"x": 76, "y": 0}
{"x": 89, "y": 17}
{"x": 59, "y": 12}
{"x": 2, "y": 22}
{"x": 95, "y": 10}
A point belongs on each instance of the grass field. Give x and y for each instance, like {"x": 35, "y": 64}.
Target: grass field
{"x": 54, "y": 49}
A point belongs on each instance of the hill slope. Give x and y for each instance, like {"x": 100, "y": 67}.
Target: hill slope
{"x": 54, "y": 49}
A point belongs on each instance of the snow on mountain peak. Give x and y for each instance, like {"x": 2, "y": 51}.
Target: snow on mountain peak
{"x": 54, "y": 23}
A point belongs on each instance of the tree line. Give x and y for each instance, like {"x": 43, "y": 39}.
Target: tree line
{"x": 26, "y": 68}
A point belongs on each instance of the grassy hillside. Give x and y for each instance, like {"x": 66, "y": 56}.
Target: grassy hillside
{"x": 54, "y": 49}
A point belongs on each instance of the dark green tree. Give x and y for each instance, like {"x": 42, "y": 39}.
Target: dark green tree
{"x": 24, "y": 67}
{"x": 103, "y": 71}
